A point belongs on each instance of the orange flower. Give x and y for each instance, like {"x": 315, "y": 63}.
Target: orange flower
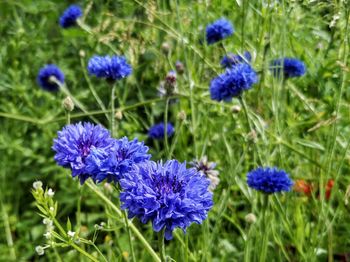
{"x": 329, "y": 187}
{"x": 302, "y": 186}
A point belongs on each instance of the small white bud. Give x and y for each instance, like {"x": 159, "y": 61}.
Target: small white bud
{"x": 52, "y": 209}
{"x": 39, "y": 250}
{"x": 71, "y": 234}
{"x": 50, "y": 192}
{"x": 250, "y": 218}
{"x": 47, "y": 235}
{"x": 38, "y": 184}
{"x": 68, "y": 104}
{"x": 47, "y": 221}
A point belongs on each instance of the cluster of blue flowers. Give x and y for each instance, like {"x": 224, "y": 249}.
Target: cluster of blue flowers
{"x": 219, "y": 30}
{"x": 169, "y": 194}
{"x": 289, "y": 67}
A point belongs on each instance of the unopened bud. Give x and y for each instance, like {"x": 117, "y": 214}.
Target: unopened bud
{"x": 252, "y": 136}
{"x": 181, "y": 115}
{"x": 165, "y": 47}
{"x": 82, "y": 53}
{"x": 119, "y": 115}
{"x": 180, "y": 68}
{"x": 68, "y": 104}
{"x": 250, "y": 218}
{"x": 235, "y": 109}
{"x": 39, "y": 250}
{"x": 37, "y": 185}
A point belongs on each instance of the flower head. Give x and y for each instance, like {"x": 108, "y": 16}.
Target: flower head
{"x": 118, "y": 160}
{"x": 74, "y": 143}
{"x": 169, "y": 195}
{"x": 48, "y": 77}
{"x": 269, "y": 180}
{"x": 70, "y": 16}
{"x": 158, "y": 131}
{"x": 218, "y": 30}
{"x": 207, "y": 169}
{"x": 233, "y": 82}
{"x": 290, "y": 67}
{"x": 231, "y": 59}
{"x": 109, "y": 67}
{"x": 168, "y": 87}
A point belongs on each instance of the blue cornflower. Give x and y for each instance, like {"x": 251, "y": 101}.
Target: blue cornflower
{"x": 291, "y": 67}
{"x": 111, "y": 68}
{"x": 233, "y": 82}
{"x": 74, "y": 144}
{"x": 169, "y": 195}
{"x": 269, "y": 180}
{"x": 47, "y": 77}
{"x": 231, "y": 59}
{"x": 70, "y": 16}
{"x": 158, "y": 131}
{"x": 117, "y": 161}
{"x": 220, "y": 29}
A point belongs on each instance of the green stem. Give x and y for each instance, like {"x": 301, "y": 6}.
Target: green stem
{"x": 8, "y": 232}
{"x": 129, "y": 236}
{"x": 112, "y": 108}
{"x": 166, "y": 127}
{"x": 245, "y": 110}
{"x": 92, "y": 89}
{"x": 161, "y": 245}
{"x": 264, "y": 229}
{"x": 119, "y": 213}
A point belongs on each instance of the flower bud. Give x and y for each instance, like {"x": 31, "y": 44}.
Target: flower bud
{"x": 119, "y": 115}
{"x": 250, "y": 218}
{"x": 38, "y": 185}
{"x": 82, "y": 53}
{"x": 39, "y": 250}
{"x": 181, "y": 115}
{"x": 235, "y": 109}
{"x": 180, "y": 68}
{"x": 165, "y": 48}
{"x": 68, "y": 104}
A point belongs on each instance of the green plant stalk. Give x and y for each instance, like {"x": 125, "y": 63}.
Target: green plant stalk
{"x": 119, "y": 213}
{"x": 161, "y": 245}
{"x": 129, "y": 236}
{"x": 113, "y": 108}
{"x": 250, "y": 127}
{"x": 92, "y": 89}
{"x": 8, "y": 232}
{"x": 166, "y": 127}
{"x": 264, "y": 229}
{"x": 76, "y": 247}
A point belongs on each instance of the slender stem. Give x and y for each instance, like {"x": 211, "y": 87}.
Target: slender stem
{"x": 129, "y": 236}
{"x": 264, "y": 229}
{"x": 161, "y": 245}
{"x": 119, "y": 213}
{"x": 166, "y": 127}
{"x": 8, "y": 232}
{"x": 92, "y": 89}
{"x": 112, "y": 108}
{"x": 245, "y": 110}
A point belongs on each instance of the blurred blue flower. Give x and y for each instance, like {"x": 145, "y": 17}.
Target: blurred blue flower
{"x": 233, "y": 82}
{"x": 74, "y": 144}
{"x": 290, "y": 67}
{"x": 220, "y": 29}
{"x": 269, "y": 180}
{"x": 47, "y": 77}
{"x": 111, "y": 68}
{"x": 158, "y": 131}
{"x": 70, "y": 16}
{"x": 117, "y": 161}
{"x": 231, "y": 59}
{"x": 167, "y": 194}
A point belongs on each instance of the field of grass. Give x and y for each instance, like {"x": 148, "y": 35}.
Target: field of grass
{"x": 299, "y": 124}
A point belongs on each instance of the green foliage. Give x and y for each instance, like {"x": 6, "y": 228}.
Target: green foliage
{"x": 300, "y": 125}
